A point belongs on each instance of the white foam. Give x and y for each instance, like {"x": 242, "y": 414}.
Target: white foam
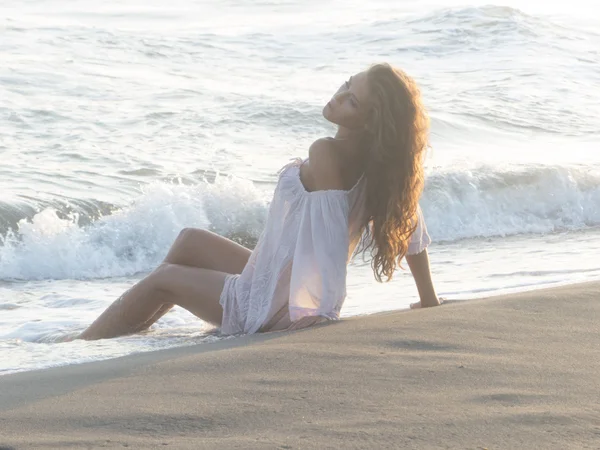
{"x": 488, "y": 202}
{"x": 466, "y": 203}
{"x": 132, "y": 240}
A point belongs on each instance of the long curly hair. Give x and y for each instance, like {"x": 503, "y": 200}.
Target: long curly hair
{"x": 397, "y": 133}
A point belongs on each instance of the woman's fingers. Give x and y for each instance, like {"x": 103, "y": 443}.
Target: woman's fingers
{"x": 418, "y": 304}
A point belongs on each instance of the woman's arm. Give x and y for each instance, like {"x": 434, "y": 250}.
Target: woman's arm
{"x": 419, "y": 267}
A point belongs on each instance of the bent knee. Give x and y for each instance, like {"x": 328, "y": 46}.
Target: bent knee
{"x": 163, "y": 276}
{"x": 194, "y": 234}
{"x": 186, "y": 233}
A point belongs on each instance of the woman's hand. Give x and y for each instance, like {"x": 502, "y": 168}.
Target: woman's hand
{"x": 306, "y": 322}
{"x": 427, "y": 303}
{"x": 419, "y": 266}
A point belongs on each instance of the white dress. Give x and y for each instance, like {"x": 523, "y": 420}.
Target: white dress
{"x": 298, "y": 267}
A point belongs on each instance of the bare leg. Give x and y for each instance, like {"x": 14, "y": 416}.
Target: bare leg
{"x": 197, "y": 290}
{"x": 206, "y": 250}
{"x": 150, "y": 300}
{"x": 165, "y": 308}
{"x": 201, "y": 248}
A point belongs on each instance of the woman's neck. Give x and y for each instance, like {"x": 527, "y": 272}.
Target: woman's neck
{"x": 351, "y": 140}
{"x": 349, "y": 134}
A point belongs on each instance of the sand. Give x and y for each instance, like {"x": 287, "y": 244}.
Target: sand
{"x": 512, "y": 372}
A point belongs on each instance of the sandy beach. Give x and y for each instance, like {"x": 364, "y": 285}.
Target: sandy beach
{"x": 511, "y": 372}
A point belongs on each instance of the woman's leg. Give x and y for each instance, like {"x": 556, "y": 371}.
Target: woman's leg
{"x": 193, "y": 247}
{"x": 203, "y": 249}
{"x": 197, "y": 290}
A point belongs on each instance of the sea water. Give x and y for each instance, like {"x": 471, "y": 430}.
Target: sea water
{"x": 122, "y": 122}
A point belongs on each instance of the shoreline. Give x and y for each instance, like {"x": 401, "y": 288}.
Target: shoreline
{"x": 512, "y": 371}
{"x": 358, "y": 316}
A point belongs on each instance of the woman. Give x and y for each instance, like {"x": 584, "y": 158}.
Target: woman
{"x": 358, "y": 189}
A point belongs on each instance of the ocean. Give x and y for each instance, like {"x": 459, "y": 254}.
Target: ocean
{"x": 122, "y": 122}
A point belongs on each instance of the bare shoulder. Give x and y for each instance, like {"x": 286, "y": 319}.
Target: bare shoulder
{"x": 323, "y": 171}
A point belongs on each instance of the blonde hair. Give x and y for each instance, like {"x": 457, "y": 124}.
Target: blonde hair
{"x": 397, "y": 137}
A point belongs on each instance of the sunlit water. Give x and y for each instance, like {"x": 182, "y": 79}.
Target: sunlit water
{"x": 123, "y": 122}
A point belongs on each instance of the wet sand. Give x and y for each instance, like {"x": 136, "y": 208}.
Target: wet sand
{"x": 511, "y": 372}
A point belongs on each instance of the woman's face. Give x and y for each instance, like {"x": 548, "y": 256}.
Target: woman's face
{"x": 349, "y": 105}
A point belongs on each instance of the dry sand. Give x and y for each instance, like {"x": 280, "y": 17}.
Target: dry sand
{"x": 513, "y": 372}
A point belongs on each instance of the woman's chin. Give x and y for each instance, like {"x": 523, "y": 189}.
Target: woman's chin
{"x": 327, "y": 113}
